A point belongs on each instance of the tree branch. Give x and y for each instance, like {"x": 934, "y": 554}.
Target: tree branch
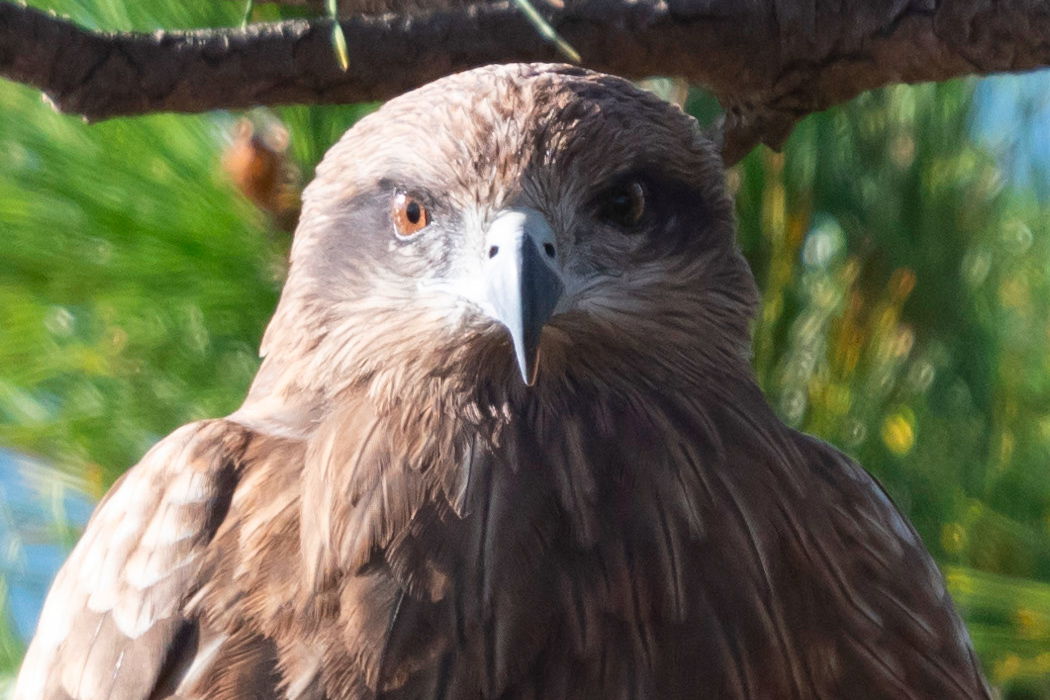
{"x": 769, "y": 62}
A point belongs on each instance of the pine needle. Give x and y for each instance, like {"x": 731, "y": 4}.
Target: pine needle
{"x": 547, "y": 31}
{"x": 249, "y": 8}
{"x": 338, "y": 38}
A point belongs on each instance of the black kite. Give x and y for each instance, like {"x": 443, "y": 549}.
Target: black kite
{"x": 505, "y": 444}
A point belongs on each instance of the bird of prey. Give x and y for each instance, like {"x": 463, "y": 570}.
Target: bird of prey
{"x": 504, "y": 444}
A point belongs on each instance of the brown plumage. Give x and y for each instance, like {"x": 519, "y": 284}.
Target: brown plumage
{"x": 394, "y": 513}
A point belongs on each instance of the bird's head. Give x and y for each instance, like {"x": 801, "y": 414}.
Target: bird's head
{"x": 510, "y": 226}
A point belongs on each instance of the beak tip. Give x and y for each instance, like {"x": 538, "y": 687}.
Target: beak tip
{"x": 523, "y": 285}
{"x": 528, "y": 366}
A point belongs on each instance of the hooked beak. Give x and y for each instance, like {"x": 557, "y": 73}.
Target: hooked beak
{"x": 521, "y": 282}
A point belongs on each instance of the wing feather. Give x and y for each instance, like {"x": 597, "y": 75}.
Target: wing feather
{"x": 897, "y": 624}
{"x": 117, "y": 605}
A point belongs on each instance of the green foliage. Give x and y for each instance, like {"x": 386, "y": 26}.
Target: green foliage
{"x": 134, "y": 284}
{"x": 906, "y": 307}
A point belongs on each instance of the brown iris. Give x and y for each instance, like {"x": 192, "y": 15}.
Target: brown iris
{"x": 410, "y": 216}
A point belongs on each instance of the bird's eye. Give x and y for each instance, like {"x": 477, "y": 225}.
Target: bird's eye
{"x": 623, "y": 204}
{"x": 410, "y": 216}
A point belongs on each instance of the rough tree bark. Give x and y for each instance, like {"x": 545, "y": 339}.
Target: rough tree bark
{"x": 769, "y": 62}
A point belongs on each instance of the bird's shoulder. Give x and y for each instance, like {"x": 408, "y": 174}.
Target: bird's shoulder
{"x": 120, "y": 621}
{"x": 892, "y": 612}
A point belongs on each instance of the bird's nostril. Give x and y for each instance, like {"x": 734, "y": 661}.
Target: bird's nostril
{"x": 493, "y": 251}
{"x": 548, "y": 249}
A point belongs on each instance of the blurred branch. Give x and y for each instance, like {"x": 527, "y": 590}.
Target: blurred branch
{"x": 769, "y": 62}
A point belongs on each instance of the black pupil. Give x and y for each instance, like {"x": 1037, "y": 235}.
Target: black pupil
{"x": 623, "y": 205}
{"x": 413, "y": 212}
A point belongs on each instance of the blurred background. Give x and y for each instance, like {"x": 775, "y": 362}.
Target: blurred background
{"x": 902, "y": 243}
